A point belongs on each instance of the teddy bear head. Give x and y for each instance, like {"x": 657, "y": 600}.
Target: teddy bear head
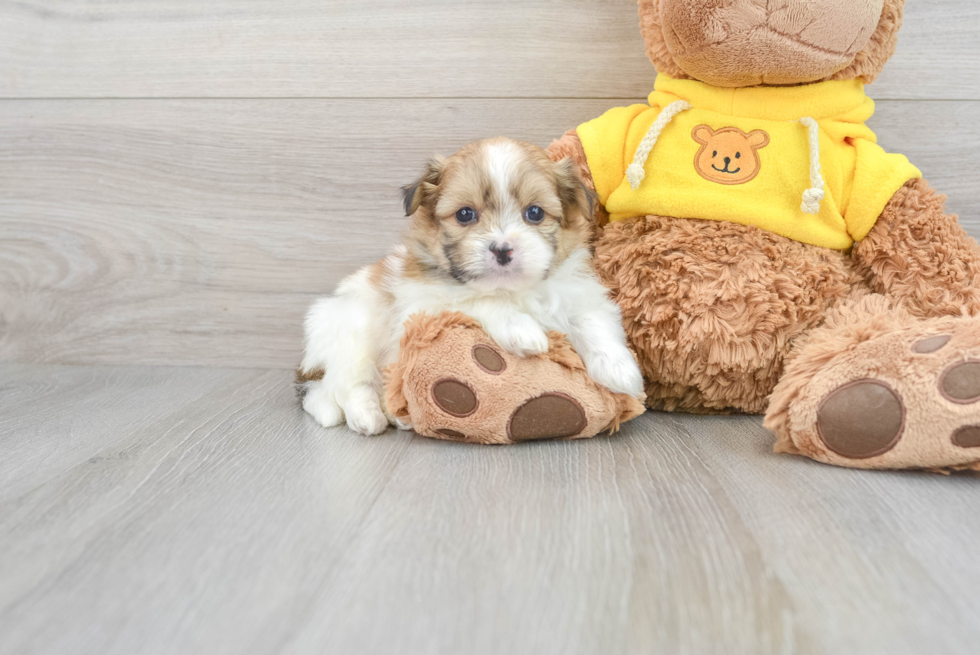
{"x": 738, "y": 43}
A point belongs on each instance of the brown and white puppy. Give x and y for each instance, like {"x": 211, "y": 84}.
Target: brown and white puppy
{"x": 498, "y": 232}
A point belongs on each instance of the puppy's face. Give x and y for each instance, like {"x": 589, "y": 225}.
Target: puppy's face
{"x": 499, "y": 214}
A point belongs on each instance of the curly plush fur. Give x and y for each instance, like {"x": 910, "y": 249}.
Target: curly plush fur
{"x": 921, "y": 255}
{"x": 711, "y": 307}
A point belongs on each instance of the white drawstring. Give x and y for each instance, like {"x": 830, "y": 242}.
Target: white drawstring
{"x": 813, "y": 195}
{"x": 635, "y": 172}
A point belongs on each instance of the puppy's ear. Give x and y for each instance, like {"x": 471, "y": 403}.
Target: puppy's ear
{"x": 576, "y": 198}
{"x": 414, "y": 195}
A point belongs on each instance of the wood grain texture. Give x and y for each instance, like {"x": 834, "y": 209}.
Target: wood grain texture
{"x": 181, "y": 510}
{"x": 392, "y": 48}
{"x": 198, "y": 231}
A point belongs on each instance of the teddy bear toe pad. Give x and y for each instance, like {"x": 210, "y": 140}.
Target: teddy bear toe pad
{"x": 454, "y": 397}
{"x": 960, "y": 383}
{"x": 930, "y": 344}
{"x": 488, "y": 359}
{"x": 967, "y": 437}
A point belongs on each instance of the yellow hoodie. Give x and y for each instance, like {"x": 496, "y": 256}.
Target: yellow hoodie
{"x": 798, "y": 161}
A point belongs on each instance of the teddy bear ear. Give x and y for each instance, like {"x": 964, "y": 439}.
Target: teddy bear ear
{"x": 652, "y": 30}
{"x": 702, "y": 134}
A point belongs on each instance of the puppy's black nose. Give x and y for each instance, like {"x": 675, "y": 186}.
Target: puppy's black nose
{"x": 728, "y": 160}
{"x": 502, "y": 252}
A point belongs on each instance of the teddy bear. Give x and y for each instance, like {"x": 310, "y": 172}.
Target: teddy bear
{"x": 768, "y": 256}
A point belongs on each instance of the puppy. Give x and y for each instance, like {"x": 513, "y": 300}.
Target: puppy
{"x": 498, "y": 232}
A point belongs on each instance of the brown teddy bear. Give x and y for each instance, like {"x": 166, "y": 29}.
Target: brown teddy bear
{"x": 768, "y": 256}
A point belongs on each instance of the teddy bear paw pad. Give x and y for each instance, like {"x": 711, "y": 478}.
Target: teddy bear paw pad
{"x": 549, "y": 416}
{"x": 861, "y": 419}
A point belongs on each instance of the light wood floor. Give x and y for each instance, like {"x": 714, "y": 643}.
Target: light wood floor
{"x": 179, "y": 179}
{"x": 224, "y": 521}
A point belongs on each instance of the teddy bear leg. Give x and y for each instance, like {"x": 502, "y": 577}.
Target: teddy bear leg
{"x": 876, "y": 387}
{"x": 453, "y": 382}
{"x": 921, "y": 256}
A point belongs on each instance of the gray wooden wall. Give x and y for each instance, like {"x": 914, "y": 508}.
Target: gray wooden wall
{"x": 179, "y": 179}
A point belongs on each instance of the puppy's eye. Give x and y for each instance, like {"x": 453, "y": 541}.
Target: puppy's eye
{"x": 466, "y": 215}
{"x": 738, "y": 155}
{"x": 714, "y": 154}
{"x": 534, "y": 214}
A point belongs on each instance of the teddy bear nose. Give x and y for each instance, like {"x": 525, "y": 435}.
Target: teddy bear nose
{"x": 728, "y": 160}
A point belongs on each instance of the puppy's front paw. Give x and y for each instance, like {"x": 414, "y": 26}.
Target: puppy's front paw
{"x": 616, "y": 370}
{"x": 520, "y": 334}
{"x": 318, "y": 404}
{"x": 363, "y": 412}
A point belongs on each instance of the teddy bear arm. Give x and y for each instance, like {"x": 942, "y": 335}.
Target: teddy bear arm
{"x": 570, "y": 146}
{"x": 921, "y": 256}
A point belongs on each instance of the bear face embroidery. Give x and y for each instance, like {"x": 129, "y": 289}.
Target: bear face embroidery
{"x": 728, "y": 155}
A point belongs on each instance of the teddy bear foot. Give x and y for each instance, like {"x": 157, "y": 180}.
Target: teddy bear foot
{"x": 453, "y": 382}
{"x": 900, "y": 394}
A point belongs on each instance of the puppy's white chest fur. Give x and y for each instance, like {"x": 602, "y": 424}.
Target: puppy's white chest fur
{"x": 549, "y": 302}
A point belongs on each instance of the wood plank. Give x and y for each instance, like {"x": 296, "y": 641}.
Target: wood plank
{"x": 885, "y": 521}
{"x": 104, "y": 406}
{"x": 197, "y": 232}
{"x": 391, "y": 48}
{"x": 232, "y": 523}
{"x": 196, "y": 528}
{"x": 654, "y": 541}
{"x": 342, "y": 48}
{"x": 938, "y": 39}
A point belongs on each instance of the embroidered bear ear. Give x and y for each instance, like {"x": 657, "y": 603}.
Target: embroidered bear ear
{"x": 703, "y": 134}
{"x": 757, "y": 139}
